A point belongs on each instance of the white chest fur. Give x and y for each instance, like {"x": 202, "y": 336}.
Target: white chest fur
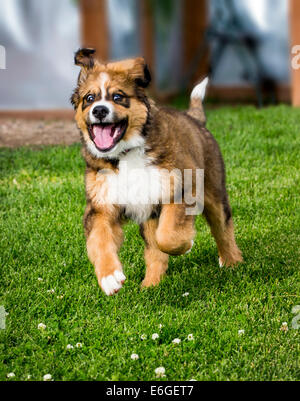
{"x": 137, "y": 186}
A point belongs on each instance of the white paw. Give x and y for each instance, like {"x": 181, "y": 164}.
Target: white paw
{"x": 113, "y": 283}
{"x": 190, "y": 250}
{"x": 221, "y": 264}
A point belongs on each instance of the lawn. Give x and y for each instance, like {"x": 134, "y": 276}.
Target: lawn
{"x": 47, "y": 278}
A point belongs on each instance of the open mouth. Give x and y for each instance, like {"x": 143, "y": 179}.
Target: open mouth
{"x": 106, "y": 136}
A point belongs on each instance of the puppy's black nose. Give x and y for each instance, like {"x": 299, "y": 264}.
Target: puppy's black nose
{"x": 100, "y": 112}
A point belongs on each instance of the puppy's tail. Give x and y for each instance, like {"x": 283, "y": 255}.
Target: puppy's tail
{"x": 196, "y": 109}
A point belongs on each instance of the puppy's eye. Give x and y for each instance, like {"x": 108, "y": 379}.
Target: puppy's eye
{"x": 90, "y": 98}
{"x": 118, "y": 98}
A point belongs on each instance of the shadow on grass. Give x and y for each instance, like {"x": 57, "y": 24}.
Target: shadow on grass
{"x": 200, "y": 275}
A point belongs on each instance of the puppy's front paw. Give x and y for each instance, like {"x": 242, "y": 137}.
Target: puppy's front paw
{"x": 113, "y": 283}
{"x": 231, "y": 262}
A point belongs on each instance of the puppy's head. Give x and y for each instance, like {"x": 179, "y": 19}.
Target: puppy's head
{"x": 110, "y": 103}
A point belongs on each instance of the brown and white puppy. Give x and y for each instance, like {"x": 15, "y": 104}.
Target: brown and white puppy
{"x": 128, "y": 143}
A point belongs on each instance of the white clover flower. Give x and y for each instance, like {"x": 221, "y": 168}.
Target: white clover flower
{"x": 47, "y": 378}
{"x": 60, "y": 296}
{"x": 160, "y": 326}
{"x": 160, "y": 372}
{"x": 78, "y": 345}
{"x": 52, "y": 291}
{"x": 10, "y": 375}
{"x": 284, "y": 327}
{"x": 190, "y": 337}
{"x": 155, "y": 336}
{"x": 28, "y": 377}
{"x": 176, "y": 341}
{"x": 241, "y": 332}
{"x": 143, "y": 337}
{"x": 134, "y": 357}
{"x": 69, "y": 346}
{"x": 296, "y": 309}
{"x": 40, "y": 279}
{"x": 41, "y": 326}
{"x": 186, "y": 294}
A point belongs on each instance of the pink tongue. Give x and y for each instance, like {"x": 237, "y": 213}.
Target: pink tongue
{"x": 103, "y": 136}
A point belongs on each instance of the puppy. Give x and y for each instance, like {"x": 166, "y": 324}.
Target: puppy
{"x": 129, "y": 146}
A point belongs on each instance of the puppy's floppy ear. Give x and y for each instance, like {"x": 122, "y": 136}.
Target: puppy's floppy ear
{"x": 140, "y": 72}
{"x": 85, "y": 58}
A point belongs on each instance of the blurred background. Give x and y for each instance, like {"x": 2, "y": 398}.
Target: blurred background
{"x": 243, "y": 45}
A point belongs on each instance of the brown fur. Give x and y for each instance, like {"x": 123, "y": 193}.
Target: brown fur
{"x": 156, "y": 260}
{"x": 174, "y": 140}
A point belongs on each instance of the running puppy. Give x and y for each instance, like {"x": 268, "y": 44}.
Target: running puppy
{"x": 128, "y": 145}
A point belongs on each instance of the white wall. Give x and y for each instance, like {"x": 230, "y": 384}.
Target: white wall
{"x": 267, "y": 19}
{"x": 124, "y": 29}
{"x": 40, "y": 37}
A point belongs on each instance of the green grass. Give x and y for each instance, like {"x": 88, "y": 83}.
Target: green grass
{"x": 42, "y": 203}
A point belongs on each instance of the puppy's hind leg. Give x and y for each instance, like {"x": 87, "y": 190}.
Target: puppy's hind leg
{"x": 218, "y": 216}
{"x": 156, "y": 261}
